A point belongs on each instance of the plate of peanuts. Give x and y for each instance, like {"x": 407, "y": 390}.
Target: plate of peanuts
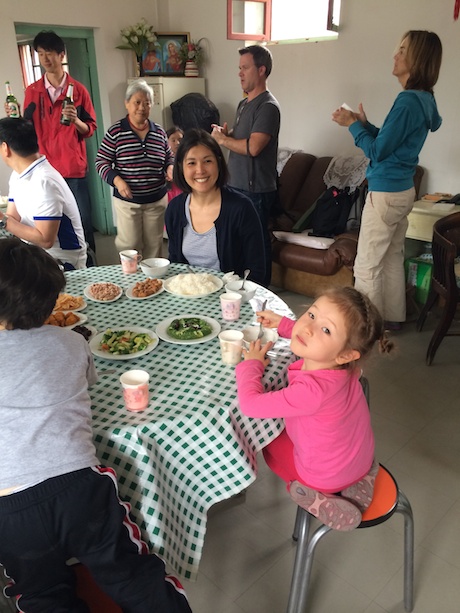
{"x": 145, "y": 289}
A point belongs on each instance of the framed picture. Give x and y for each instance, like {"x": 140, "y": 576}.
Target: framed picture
{"x": 166, "y": 50}
{"x": 152, "y": 60}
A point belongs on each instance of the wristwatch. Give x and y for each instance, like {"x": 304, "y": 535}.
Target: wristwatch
{"x": 3, "y": 222}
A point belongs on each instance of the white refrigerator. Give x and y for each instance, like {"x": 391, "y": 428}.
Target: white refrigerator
{"x": 167, "y": 90}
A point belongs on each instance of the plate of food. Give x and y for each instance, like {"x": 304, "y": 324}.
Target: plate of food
{"x": 145, "y": 289}
{"x": 123, "y": 343}
{"x": 66, "y": 319}
{"x": 88, "y": 332}
{"x": 67, "y": 302}
{"x": 189, "y": 285}
{"x": 103, "y": 292}
{"x": 188, "y": 329}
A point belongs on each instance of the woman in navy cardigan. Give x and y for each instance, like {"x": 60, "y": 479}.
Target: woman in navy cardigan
{"x": 209, "y": 224}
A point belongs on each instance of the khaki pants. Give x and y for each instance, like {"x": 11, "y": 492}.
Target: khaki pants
{"x": 379, "y": 264}
{"x": 140, "y": 226}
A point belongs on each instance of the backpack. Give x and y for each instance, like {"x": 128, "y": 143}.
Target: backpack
{"x": 194, "y": 111}
{"x": 356, "y": 211}
{"x": 331, "y": 212}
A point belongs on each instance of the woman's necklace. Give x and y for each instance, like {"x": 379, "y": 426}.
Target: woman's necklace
{"x": 137, "y": 128}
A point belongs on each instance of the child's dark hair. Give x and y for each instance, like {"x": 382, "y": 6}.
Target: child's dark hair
{"x": 364, "y": 323}
{"x": 30, "y": 282}
{"x": 173, "y": 130}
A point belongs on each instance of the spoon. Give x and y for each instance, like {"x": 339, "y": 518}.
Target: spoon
{"x": 189, "y": 268}
{"x": 261, "y": 330}
{"x": 246, "y": 273}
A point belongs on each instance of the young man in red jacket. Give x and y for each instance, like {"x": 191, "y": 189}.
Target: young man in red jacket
{"x": 63, "y": 145}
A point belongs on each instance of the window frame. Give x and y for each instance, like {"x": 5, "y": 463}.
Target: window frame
{"x": 31, "y": 68}
{"x": 266, "y": 35}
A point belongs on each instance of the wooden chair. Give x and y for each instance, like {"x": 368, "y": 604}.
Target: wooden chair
{"x": 445, "y": 248}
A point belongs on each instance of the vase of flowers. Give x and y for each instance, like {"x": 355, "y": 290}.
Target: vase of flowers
{"x": 137, "y": 38}
{"x": 192, "y": 55}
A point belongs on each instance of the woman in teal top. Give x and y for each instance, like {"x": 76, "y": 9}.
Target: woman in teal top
{"x": 393, "y": 156}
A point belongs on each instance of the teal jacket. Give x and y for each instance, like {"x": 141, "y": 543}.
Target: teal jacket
{"x": 394, "y": 148}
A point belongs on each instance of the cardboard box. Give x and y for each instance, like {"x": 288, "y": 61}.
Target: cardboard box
{"x": 418, "y": 275}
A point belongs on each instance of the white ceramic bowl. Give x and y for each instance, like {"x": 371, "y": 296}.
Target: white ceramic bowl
{"x": 247, "y": 293}
{"x": 250, "y": 334}
{"x": 155, "y": 267}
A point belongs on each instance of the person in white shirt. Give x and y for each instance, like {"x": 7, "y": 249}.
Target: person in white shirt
{"x": 41, "y": 209}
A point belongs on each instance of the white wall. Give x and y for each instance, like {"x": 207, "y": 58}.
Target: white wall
{"x": 106, "y": 17}
{"x": 310, "y": 80}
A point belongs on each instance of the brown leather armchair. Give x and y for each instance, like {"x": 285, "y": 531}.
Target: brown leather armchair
{"x": 307, "y": 270}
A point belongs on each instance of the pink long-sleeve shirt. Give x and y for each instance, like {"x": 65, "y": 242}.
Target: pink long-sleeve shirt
{"x": 326, "y": 417}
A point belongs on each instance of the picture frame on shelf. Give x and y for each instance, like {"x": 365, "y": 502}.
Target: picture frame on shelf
{"x": 168, "y": 45}
{"x": 152, "y": 60}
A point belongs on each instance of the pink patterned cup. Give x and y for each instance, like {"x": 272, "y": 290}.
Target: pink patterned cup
{"x": 129, "y": 260}
{"x": 135, "y": 389}
{"x": 231, "y": 304}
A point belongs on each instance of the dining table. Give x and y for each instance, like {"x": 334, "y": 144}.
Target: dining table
{"x": 192, "y": 447}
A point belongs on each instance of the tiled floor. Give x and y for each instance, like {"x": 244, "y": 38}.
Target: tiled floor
{"x": 248, "y": 555}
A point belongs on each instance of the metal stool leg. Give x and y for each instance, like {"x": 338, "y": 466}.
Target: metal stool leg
{"x": 303, "y": 561}
{"x": 405, "y": 509}
{"x": 298, "y": 521}
{"x": 306, "y": 544}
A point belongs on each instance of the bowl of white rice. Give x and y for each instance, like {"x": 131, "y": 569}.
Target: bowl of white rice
{"x": 195, "y": 285}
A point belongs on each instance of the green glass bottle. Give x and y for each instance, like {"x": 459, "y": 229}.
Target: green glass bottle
{"x": 67, "y": 100}
{"x": 11, "y": 101}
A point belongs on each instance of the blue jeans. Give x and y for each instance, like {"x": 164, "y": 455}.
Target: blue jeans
{"x": 264, "y": 203}
{"x": 79, "y": 188}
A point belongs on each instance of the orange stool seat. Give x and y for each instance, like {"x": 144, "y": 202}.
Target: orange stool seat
{"x": 388, "y": 499}
{"x": 384, "y": 501}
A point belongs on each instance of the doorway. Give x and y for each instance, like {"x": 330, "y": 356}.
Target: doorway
{"x": 81, "y": 56}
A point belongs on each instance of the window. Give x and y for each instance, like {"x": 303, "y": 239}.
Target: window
{"x": 281, "y": 21}
{"x": 30, "y": 64}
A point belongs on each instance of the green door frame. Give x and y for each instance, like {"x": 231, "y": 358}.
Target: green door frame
{"x": 80, "y": 44}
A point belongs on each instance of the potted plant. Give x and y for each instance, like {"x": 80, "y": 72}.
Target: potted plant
{"x": 138, "y": 37}
{"x": 192, "y": 55}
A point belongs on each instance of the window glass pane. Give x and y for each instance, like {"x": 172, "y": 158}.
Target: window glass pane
{"x": 248, "y": 17}
{"x": 303, "y": 19}
{"x": 30, "y": 64}
{"x": 336, "y": 12}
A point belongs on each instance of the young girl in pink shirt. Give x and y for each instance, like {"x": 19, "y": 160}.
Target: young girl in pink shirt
{"x": 326, "y": 452}
{"x": 175, "y": 135}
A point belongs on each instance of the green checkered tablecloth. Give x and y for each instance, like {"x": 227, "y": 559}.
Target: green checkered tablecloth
{"x": 192, "y": 447}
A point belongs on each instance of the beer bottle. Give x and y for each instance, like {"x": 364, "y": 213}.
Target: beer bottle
{"x": 67, "y": 100}
{"x": 11, "y": 101}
